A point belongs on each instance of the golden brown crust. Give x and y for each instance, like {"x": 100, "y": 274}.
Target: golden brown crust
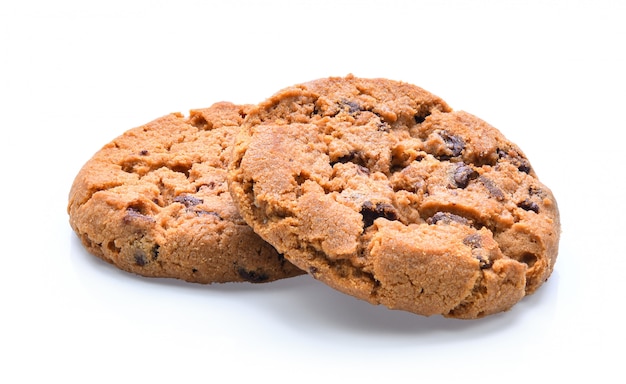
{"x": 380, "y": 190}
{"x": 155, "y": 202}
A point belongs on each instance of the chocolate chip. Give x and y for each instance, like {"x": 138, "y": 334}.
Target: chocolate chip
{"x": 346, "y": 158}
{"x": 522, "y": 164}
{"x": 536, "y": 191}
{"x": 143, "y": 152}
{"x": 492, "y": 188}
{"x": 134, "y": 213}
{"x": 209, "y": 213}
{"x": 371, "y": 212}
{"x": 484, "y": 263}
{"x": 529, "y": 205}
{"x": 383, "y": 126}
{"x": 463, "y": 174}
{"x": 447, "y": 218}
{"x": 352, "y": 157}
{"x": 140, "y": 258}
{"x": 155, "y": 251}
{"x": 419, "y": 119}
{"x": 351, "y": 106}
{"x": 187, "y": 200}
{"x": 473, "y": 241}
{"x": 252, "y": 276}
{"x": 454, "y": 143}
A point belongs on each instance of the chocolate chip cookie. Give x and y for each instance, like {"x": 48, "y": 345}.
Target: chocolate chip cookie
{"x": 155, "y": 202}
{"x": 380, "y": 190}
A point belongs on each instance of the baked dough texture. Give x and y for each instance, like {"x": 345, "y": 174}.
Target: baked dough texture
{"x": 382, "y": 191}
{"x": 155, "y": 202}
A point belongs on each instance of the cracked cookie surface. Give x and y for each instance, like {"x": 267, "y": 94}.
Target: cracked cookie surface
{"x": 155, "y": 202}
{"x": 380, "y": 190}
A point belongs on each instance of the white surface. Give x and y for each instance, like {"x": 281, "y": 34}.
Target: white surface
{"x": 74, "y": 75}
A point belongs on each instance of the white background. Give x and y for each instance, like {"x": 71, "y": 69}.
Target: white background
{"x": 74, "y": 75}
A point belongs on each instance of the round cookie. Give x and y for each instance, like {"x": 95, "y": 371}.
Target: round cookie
{"x": 378, "y": 189}
{"x": 155, "y": 202}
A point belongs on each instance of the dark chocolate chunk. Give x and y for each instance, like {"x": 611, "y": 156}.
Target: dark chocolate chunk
{"x": 536, "y": 191}
{"x": 522, "y": 164}
{"x": 483, "y": 262}
{"x": 492, "y": 188}
{"x": 252, "y": 276}
{"x": 210, "y": 185}
{"x": 143, "y": 152}
{"x": 133, "y": 214}
{"x": 383, "y": 126}
{"x": 473, "y": 241}
{"x": 454, "y": 144}
{"x": 346, "y": 158}
{"x": 155, "y": 251}
{"x": 352, "y": 106}
{"x": 529, "y": 205}
{"x": 140, "y": 258}
{"x": 352, "y": 157}
{"x": 187, "y": 200}
{"x": 419, "y": 118}
{"x": 209, "y": 213}
{"x": 463, "y": 174}
{"x": 447, "y": 218}
{"x": 371, "y": 212}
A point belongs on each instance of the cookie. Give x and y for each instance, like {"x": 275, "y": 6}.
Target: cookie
{"x": 380, "y": 190}
{"x": 155, "y": 202}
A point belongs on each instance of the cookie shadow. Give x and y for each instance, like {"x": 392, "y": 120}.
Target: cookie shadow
{"x": 304, "y": 305}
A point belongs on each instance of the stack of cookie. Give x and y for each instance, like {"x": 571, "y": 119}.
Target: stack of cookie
{"x": 374, "y": 187}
